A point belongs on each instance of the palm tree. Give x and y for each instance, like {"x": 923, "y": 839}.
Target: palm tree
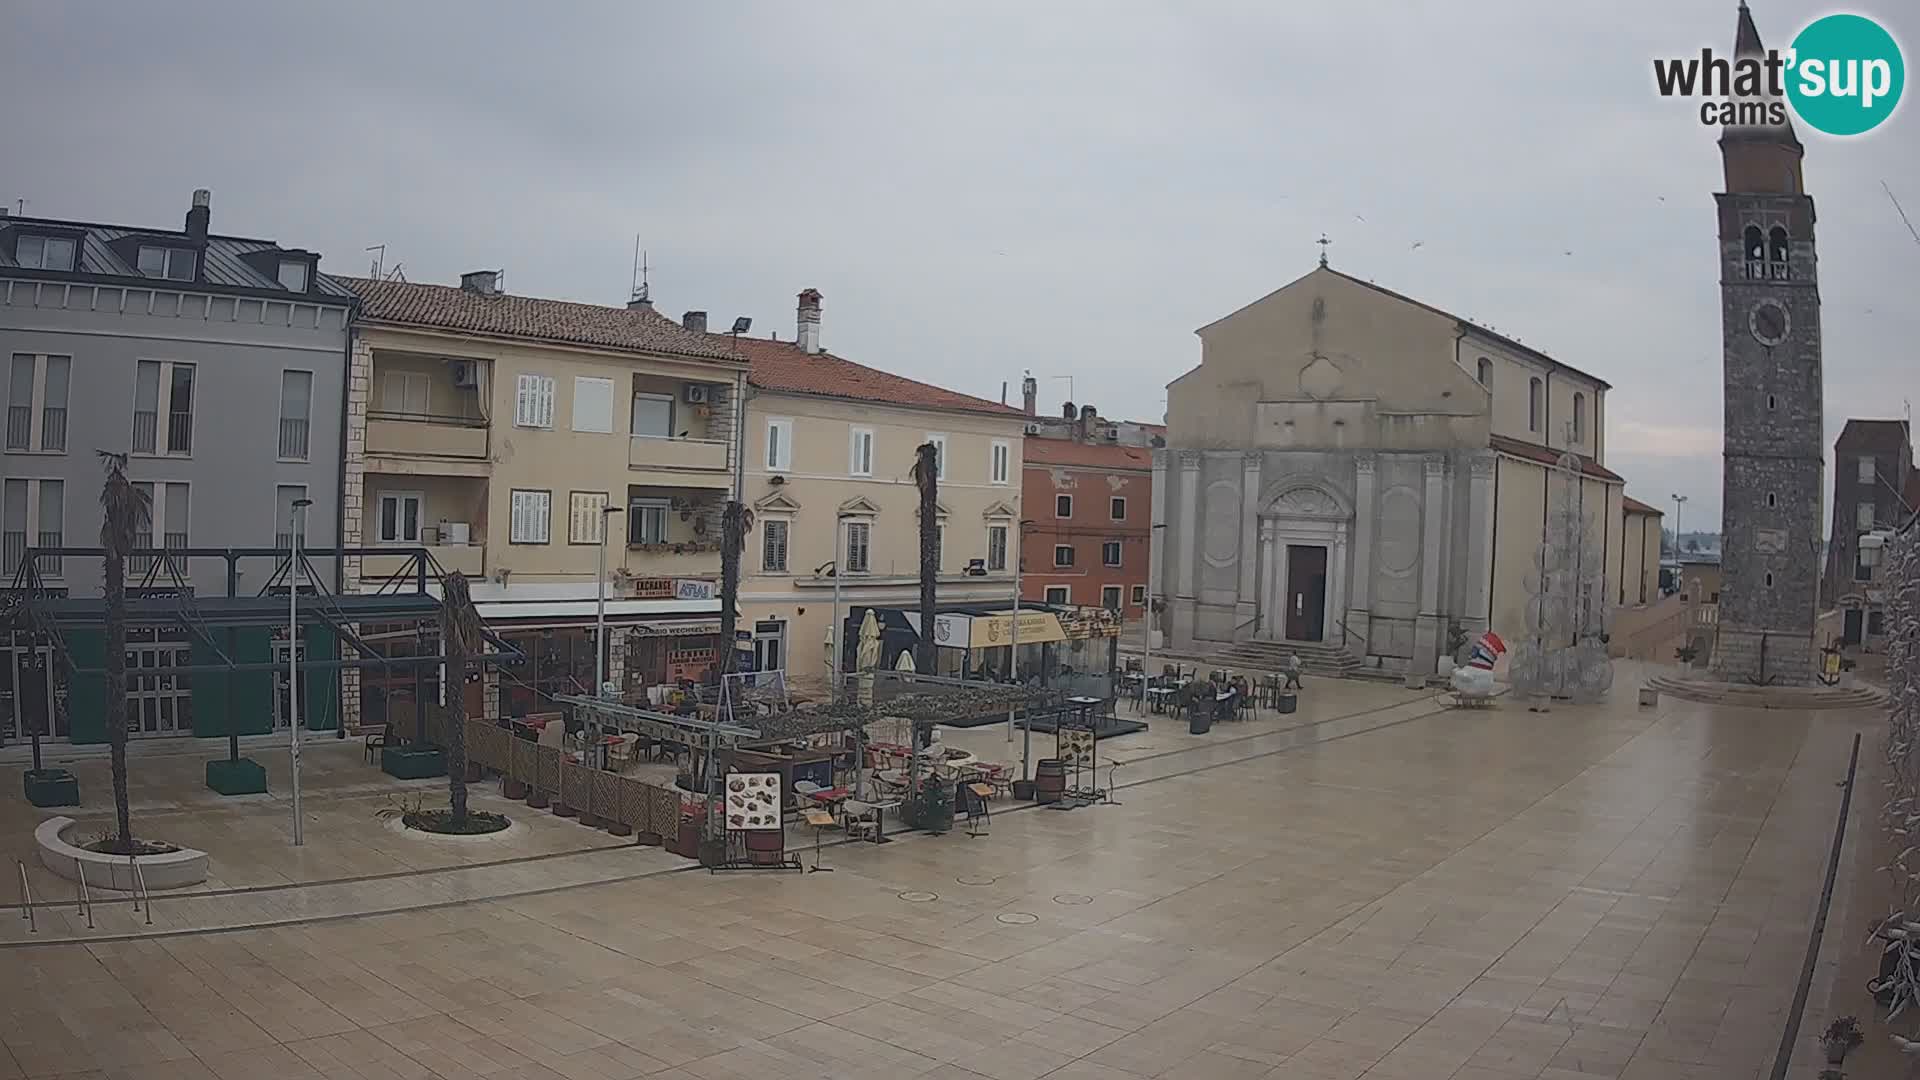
{"x": 926, "y": 476}
{"x": 735, "y": 523}
{"x": 126, "y": 511}
{"x": 460, "y": 636}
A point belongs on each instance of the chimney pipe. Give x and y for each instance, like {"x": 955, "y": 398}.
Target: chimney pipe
{"x": 482, "y": 282}
{"x": 695, "y": 321}
{"x": 1029, "y": 394}
{"x": 1067, "y": 411}
{"x": 809, "y": 321}
{"x": 200, "y": 215}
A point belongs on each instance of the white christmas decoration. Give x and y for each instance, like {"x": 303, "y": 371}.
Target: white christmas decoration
{"x": 1563, "y": 651}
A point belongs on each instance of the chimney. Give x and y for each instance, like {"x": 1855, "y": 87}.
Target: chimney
{"x": 640, "y": 303}
{"x": 809, "y": 335}
{"x": 695, "y": 321}
{"x": 1067, "y": 411}
{"x": 1029, "y": 394}
{"x": 200, "y": 215}
{"x": 482, "y": 282}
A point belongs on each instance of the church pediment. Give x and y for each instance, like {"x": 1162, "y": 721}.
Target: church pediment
{"x": 1305, "y": 499}
{"x": 999, "y": 510}
{"x": 776, "y": 502}
{"x": 859, "y": 505}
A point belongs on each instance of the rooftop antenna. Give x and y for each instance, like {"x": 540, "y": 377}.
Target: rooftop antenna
{"x": 639, "y": 288}
{"x": 19, "y": 208}
{"x": 379, "y": 256}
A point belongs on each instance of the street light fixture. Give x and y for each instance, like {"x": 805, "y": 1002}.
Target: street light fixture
{"x": 293, "y": 664}
{"x": 1146, "y": 659}
{"x": 600, "y": 613}
{"x": 839, "y": 645}
{"x": 1678, "y": 502}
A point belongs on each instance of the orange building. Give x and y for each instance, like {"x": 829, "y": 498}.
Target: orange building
{"x": 1088, "y": 524}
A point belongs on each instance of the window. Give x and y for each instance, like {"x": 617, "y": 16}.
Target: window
{"x": 1753, "y": 250}
{"x": 1863, "y": 516}
{"x": 859, "y": 451}
{"x": 44, "y": 252}
{"x": 284, "y": 496}
{"x": 939, "y": 442}
{"x": 533, "y": 402}
{"x": 1866, "y": 470}
{"x": 296, "y": 402}
{"x": 1862, "y": 572}
{"x": 773, "y": 546}
{"x": 1059, "y": 594}
{"x": 293, "y": 275}
{"x": 49, "y": 530}
{"x": 1769, "y": 580}
{"x": 1777, "y": 253}
{"x": 174, "y": 264}
{"x": 996, "y": 547}
{"x": 1063, "y": 554}
{"x": 406, "y": 393}
{"x": 400, "y": 513}
{"x": 162, "y": 395}
{"x": 1117, "y": 508}
{"x": 1485, "y": 372}
{"x": 939, "y": 546}
{"x": 1772, "y": 402}
{"x": 53, "y": 403}
{"x": 13, "y": 527}
{"x": 167, "y": 517}
{"x": 999, "y": 461}
{"x": 779, "y": 445}
{"x": 20, "y": 402}
{"x": 652, "y": 416}
{"x": 1140, "y": 594}
{"x": 1533, "y": 404}
{"x": 647, "y": 520}
{"x": 1579, "y": 417}
{"x": 592, "y": 404}
{"x": 1770, "y": 500}
{"x": 586, "y": 517}
{"x": 1063, "y": 506}
{"x": 859, "y": 548}
{"x": 531, "y": 513}
{"x": 1110, "y": 597}
{"x": 1876, "y": 622}
{"x": 1110, "y": 553}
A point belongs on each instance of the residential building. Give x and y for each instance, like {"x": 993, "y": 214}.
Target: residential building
{"x": 503, "y": 434}
{"x": 1090, "y": 535}
{"x": 1085, "y": 424}
{"x": 1637, "y": 567}
{"x": 217, "y": 364}
{"x": 1699, "y": 585}
{"x": 830, "y": 453}
{"x": 1352, "y": 469}
{"x": 1872, "y": 467}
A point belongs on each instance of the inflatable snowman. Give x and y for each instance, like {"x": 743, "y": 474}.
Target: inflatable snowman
{"x": 1474, "y": 679}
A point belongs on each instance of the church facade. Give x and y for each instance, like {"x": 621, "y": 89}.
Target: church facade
{"x": 1350, "y": 468}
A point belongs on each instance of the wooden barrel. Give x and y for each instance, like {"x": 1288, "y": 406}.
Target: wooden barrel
{"x": 1049, "y": 780}
{"x": 767, "y": 847}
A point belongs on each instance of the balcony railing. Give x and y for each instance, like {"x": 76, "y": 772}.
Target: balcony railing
{"x": 19, "y": 426}
{"x": 679, "y": 455}
{"x": 13, "y": 548}
{"x": 1768, "y": 270}
{"x": 49, "y": 565}
{"x": 138, "y": 565}
{"x": 293, "y": 438}
{"x": 468, "y": 559}
{"x": 416, "y": 434}
{"x": 179, "y": 433}
{"x": 53, "y": 428}
{"x": 143, "y": 430}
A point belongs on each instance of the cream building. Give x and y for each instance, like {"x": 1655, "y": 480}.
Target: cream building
{"x": 494, "y": 430}
{"x": 1353, "y": 470}
{"x": 830, "y": 450}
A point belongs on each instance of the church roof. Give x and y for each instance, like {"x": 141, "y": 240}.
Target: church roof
{"x": 1872, "y": 435}
{"x": 1746, "y": 42}
{"x": 1634, "y": 506}
{"x": 1548, "y": 456}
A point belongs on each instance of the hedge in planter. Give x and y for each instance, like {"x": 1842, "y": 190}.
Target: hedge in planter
{"x": 413, "y": 762}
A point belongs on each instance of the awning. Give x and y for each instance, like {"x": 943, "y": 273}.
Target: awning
{"x": 581, "y": 612}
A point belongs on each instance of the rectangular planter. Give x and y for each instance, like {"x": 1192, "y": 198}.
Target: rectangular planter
{"x": 51, "y": 787}
{"x": 236, "y": 777}
{"x": 413, "y": 762}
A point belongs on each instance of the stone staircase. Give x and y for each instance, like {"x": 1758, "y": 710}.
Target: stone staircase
{"x": 1711, "y": 692}
{"x": 1326, "y": 661}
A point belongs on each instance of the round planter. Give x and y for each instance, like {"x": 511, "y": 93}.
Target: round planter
{"x": 563, "y": 810}
{"x": 513, "y": 829}
{"x": 537, "y": 798}
{"x": 173, "y": 870}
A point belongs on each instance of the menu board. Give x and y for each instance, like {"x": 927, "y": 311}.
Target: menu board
{"x": 753, "y": 802}
{"x": 1076, "y": 746}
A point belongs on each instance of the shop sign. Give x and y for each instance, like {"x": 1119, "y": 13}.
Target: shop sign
{"x": 653, "y": 588}
{"x": 693, "y": 589}
{"x": 676, "y": 629}
{"x": 1091, "y": 622}
{"x": 953, "y": 631}
{"x": 1036, "y": 627}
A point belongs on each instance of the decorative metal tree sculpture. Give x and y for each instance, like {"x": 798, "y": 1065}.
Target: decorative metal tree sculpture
{"x": 1563, "y": 651}
{"x": 1900, "y": 566}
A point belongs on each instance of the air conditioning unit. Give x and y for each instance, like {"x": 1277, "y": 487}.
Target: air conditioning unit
{"x": 466, "y": 373}
{"x": 696, "y": 394}
{"x": 1033, "y": 429}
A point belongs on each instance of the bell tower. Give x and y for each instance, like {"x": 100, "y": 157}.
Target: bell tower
{"x": 1773, "y": 463}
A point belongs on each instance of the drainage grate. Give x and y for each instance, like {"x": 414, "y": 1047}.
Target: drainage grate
{"x": 976, "y": 880}
{"x": 1073, "y": 898}
{"x": 1018, "y": 918}
{"x": 919, "y": 897}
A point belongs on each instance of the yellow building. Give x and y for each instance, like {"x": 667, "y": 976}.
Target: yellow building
{"x": 829, "y": 457}
{"x": 503, "y": 433}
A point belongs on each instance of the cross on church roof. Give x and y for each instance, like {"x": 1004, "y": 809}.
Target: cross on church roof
{"x": 1323, "y": 242}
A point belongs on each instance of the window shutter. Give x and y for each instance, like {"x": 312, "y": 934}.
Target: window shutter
{"x": 545, "y": 390}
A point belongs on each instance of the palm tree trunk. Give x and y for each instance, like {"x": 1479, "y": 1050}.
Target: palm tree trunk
{"x": 116, "y": 603}
{"x": 926, "y": 474}
{"x": 456, "y": 687}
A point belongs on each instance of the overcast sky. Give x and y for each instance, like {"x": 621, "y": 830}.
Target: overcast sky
{"x": 1069, "y": 188}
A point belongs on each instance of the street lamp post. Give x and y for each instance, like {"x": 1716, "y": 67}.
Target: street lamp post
{"x": 1678, "y": 502}
{"x": 293, "y": 666}
{"x": 1013, "y": 654}
{"x": 600, "y": 618}
{"x": 839, "y": 624}
{"x": 1146, "y": 659}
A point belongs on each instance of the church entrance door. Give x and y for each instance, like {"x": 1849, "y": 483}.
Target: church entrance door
{"x": 1306, "y": 592}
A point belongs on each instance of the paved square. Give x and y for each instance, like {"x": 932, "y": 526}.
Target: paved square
{"x": 1374, "y": 887}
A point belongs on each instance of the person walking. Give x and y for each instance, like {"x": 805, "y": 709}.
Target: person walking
{"x": 1291, "y": 669}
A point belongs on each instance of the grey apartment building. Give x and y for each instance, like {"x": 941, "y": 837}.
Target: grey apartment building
{"x": 215, "y": 362}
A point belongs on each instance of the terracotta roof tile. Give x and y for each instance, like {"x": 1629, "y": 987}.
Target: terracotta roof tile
{"x": 445, "y": 307}
{"x": 782, "y": 367}
{"x": 1040, "y": 451}
{"x": 1545, "y": 456}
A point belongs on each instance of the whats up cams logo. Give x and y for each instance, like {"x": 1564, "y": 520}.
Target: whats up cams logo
{"x": 1843, "y": 75}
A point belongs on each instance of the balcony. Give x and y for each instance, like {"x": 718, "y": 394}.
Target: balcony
{"x": 417, "y": 435}
{"x": 19, "y": 427}
{"x": 293, "y": 438}
{"x": 671, "y": 560}
{"x": 705, "y": 458}
{"x": 468, "y": 559}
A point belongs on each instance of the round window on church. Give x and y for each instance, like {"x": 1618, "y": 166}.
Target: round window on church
{"x": 1769, "y": 323}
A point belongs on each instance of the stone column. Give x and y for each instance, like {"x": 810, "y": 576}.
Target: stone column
{"x": 1248, "y": 602}
{"x": 1336, "y": 583}
{"x": 1187, "y": 527}
{"x": 1426, "y": 634}
{"x": 1479, "y": 543}
{"x": 359, "y": 390}
{"x": 1360, "y": 589}
{"x": 1158, "y": 538}
{"x": 1272, "y": 610}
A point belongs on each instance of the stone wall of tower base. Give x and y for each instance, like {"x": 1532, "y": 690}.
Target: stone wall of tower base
{"x": 1776, "y": 658}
